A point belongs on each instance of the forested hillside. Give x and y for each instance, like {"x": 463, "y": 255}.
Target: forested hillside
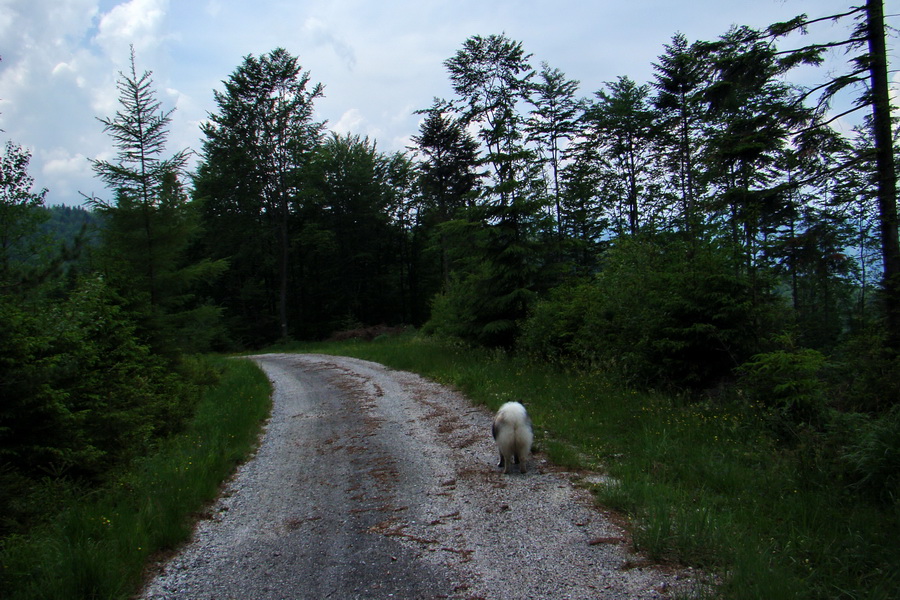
{"x": 707, "y": 233}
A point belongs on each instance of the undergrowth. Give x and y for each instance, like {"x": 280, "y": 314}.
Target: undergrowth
{"x": 99, "y": 544}
{"x": 703, "y": 484}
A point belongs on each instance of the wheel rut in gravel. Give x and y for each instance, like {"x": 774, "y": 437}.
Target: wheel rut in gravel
{"x": 375, "y": 483}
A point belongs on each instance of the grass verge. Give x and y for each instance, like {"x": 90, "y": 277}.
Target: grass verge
{"x": 702, "y": 484}
{"x": 99, "y": 545}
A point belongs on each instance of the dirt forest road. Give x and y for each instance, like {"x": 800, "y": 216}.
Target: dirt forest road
{"x": 375, "y": 483}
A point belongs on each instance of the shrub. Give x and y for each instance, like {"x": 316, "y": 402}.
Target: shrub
{"x": 81, "y": 392}
{"x": 660, "y": 313}
{"x": 866, "y": 374}
{"x": 873, "y": 457}
{"x": 452, "y": 312}
{"x": 552, "y": 330}
{"x": 788, "y": 384}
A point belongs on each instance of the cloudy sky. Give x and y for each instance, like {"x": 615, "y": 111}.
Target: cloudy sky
{"x": 378, "y": 60}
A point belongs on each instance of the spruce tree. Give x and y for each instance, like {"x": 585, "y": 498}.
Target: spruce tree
{"x": 149, "y": 223}
{"x": 448, "y": 177}
{"x": 257, "y": 146}
{"x": 867, "y": 72}
{"x": 680, "y": 77}
{"x": 619, "y": 125}
{"x": 20, "y": 216}
{"x": 492, "y": 78}
{"x": 552, "y": 124}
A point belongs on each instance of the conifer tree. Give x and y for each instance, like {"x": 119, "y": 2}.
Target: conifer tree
{"x": 257, "y": 146}
{"x": 448, "y": 178}
{"x": 492, "y": 78}
{"x": 149, "y": 223}
{"x": 868, "y": 71}
{"x": 679, "y": 80}
{"x": 619, "y": 125}
{"x": 553, "y": 123}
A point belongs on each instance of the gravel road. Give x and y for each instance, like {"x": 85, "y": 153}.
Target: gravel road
{"x": 376, "y": 483}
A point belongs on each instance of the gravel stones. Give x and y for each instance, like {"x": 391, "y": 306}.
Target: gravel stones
{"x": 376, "y": 483}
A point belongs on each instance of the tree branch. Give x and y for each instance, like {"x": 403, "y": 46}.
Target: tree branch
{"x": 829, "y": 121}
{"x": 803, "y": 24}
{"x": 823, "y": 46}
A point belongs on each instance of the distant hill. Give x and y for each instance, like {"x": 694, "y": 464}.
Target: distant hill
{"x": 66, "y": 222}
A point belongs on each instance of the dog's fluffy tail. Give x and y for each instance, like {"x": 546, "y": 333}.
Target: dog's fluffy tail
{"x": 512, "y": 432}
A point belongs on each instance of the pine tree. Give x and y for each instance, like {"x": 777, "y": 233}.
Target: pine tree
{"x": 448, "y": 177}
{"x": 553, "y": 123}
{"x": 149, "y": 223}
{"x": 681, "y": 74}
{"x": 256, "y": 148}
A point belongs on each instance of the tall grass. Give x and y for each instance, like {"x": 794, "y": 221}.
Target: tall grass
{"x": 703, "y": 484}
{"x": 99, "y": 546}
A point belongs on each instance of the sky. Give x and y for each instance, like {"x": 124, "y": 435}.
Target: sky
{"x": 378, "y": 60}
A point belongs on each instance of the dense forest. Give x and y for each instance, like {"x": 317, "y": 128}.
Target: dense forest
{"x": 706, "y": 233}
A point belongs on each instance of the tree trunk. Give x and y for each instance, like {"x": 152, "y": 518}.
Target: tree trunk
{"x": 284, "y": 266}
{"x": 884, "y": 163}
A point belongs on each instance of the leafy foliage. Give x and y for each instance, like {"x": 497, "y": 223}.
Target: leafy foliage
{"x": 19, "y": 217}
{"x": 873, "y": 457}
{"x": 660, "y": 312}
{"x": 81, "y": 393}
{"x": 98, "y": 546}
{"x": 347, "y": 218}
{"x": 788, "y": 384}
{"x": 256, "y": 149}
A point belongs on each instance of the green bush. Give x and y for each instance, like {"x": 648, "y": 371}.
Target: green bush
{"x": 81, "y": 392}
{"x": 660, "y": 313}
{"x": 452, "y": 314}
{"x": 873, "y": 458}
{"x": 866, "y": 374}
{"x": 788, "y": 384}
{"x": 99, "y": 544}
{"x": 553, "y": 330}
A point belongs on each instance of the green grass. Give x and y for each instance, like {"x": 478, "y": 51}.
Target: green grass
{"x": 99, "y": 546}
{"x": 703, "y": 485}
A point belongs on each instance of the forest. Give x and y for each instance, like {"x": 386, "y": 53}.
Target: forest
{"x": 706, "y": 233}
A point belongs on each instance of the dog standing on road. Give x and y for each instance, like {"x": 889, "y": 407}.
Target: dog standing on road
{"x": 512, "y": 432}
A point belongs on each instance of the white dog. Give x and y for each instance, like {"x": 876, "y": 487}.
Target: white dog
{"x": 512, "y": 432}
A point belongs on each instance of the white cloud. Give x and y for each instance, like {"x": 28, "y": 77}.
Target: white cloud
{"x": 403, "y": 143}
{"x": 137, "y": 22}
{"x": 322, "y": 36}
{"x": 60, "y": 164}
{"x": 65, "y": 175}
{"x": 350, "y": 122}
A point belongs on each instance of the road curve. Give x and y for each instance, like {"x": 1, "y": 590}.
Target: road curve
{"x": 375, "y": 483}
